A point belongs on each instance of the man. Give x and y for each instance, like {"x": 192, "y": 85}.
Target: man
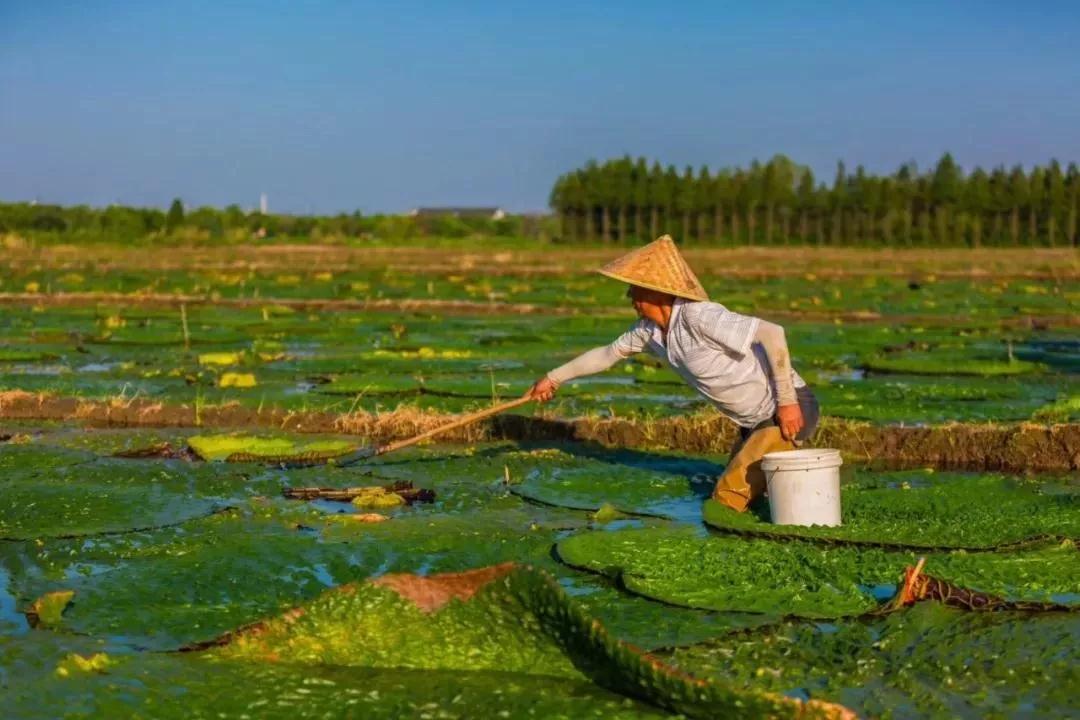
{"x": 739, "y": 363}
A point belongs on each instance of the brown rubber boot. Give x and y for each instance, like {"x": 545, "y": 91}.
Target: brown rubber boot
{"x": 743, "y": 480}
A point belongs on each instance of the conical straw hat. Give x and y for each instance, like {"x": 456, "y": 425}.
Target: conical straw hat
{"x": 658, "y": 266}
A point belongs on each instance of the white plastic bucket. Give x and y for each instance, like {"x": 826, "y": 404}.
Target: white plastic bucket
{"x": 804, "y": 486}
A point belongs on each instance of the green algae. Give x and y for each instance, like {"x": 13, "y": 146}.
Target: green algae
{"x": 220, "y": 447}
{"x": 930, "y": 661}
{"x": 685, "y": 567}
{"x": 921, "y": 509}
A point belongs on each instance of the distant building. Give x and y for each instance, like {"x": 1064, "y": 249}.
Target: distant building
{"x": 488, "y": 213}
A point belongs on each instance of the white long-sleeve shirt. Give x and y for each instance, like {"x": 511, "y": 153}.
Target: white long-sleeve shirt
{"x": 710, "y": 347}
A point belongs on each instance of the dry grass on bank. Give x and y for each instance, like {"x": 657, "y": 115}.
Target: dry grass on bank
{"x": 986, "y": 446}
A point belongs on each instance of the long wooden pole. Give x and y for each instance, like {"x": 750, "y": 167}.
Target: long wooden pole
{"x": 460, "y": 422}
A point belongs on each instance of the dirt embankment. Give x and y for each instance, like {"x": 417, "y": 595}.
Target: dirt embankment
{"x": 1059, "y": 264}
{"x": 175, "y": 300}
{"x": 1015, "y": 447}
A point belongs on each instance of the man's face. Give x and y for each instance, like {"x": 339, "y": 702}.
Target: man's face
{"x": 648, "y": 303}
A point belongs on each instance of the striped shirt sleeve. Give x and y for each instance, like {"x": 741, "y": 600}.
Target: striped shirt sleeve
{"x": 728, "y": 329}
{"x": 601, "y": 358}
{"x": 634, "y": 340}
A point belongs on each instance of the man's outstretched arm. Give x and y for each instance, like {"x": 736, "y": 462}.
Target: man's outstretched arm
{"x": 590, "y": 362}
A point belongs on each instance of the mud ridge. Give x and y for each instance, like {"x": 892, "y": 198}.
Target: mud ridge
{"x": 454, "y": 307}
{"x": 1018, "y": 447}
{"x": 475, "y": 307}
{"x": 1057, "y": 264}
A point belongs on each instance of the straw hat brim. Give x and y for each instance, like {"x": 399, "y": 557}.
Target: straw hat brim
{"x": 657, "y": 266}
{"x": 702, "y": 297}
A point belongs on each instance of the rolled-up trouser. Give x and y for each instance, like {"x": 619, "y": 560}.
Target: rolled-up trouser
{"x": 743, "y": 480}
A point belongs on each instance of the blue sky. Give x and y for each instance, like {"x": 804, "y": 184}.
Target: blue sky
{"x": 339, "y": 106}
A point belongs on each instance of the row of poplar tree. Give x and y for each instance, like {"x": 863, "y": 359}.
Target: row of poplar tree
{"x": 782, "y": 202}
{"x": 122, "y": 223}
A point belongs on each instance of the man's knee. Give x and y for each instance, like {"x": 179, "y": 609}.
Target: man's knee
{"x": 743, "y": 480}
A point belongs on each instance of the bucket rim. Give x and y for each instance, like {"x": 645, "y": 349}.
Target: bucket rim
{"x": 804, "y": 459}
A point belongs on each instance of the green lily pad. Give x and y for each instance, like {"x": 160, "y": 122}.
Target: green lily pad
{"x": 929, "y": 661}
{"x": 220, "y": 447}
{"x": 521, "y": 621}
{"x": 949, "y": 363}
{"x": 683, "y": 566}
{"x": 180, "y": 686}
{"x": 178, "y": 585}
{"x": 920, "y": 509}
{"x": 633, "y": 483}
{"x": 20, "y": 355}
{"x": 105, "y": 496}
{"x": 371, "y": 385}
{"x": 37, "y": 457}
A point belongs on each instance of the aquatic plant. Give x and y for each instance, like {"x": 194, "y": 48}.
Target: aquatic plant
{"x": 683, "y": 566}
{"x": 222, "y": 447}
{"x": 504, "y": 617}
{"x": 924, "y": 509}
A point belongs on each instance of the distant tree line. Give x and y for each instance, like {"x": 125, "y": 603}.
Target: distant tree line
{"x": 120, "y": 223}
{"x": 780, "y": 202}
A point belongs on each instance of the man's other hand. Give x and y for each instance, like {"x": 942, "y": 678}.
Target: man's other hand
{"x": 544, "y": 389}
{"x": 790, "y": 420}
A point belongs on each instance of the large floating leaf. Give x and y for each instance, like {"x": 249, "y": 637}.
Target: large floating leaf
{"x": 630, "y": 482}
{"x": 220, "y": 447}
{"x": 373, "y": 384}
{"x": 177, "y": 585}
{"x": 498, "y": 618}
{"x": 36, "y": 458}
{"x": 8, "y": 354}
{"x": 49, "y": 675}
{"x": 105, "y": 496}
{"x": 929, "y": 510}
{"x": 950, "y": 363}
{"x": 929, "y": 661}
{"x": 893, "y": 398}
{"x": 685, "y": 567}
